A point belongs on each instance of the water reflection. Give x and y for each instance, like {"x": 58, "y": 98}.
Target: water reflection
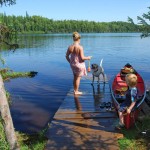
{"x": 77, "y": 102}
{"x": 42, "y": 95}
{"x": 98, "y": 94}
{"x": 27, "y": 114}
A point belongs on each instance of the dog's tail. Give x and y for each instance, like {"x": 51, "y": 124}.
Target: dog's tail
{"x": 101, "y": 62}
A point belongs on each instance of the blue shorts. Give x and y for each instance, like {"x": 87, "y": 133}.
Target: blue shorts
{"x": 123, "y": 107}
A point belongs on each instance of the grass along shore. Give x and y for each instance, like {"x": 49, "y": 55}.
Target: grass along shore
{"x": 26, "y": 142}
{"x": 138, "y": 137}
{"x": 133, "y": 138}
{"x": 7, "y": 74}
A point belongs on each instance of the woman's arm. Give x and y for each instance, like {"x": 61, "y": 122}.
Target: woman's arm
{"x": 67, "y": 55}
{"x": 82, "y": 54}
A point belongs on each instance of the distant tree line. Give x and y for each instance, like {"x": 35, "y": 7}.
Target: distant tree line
{"x": 34, "y": 23}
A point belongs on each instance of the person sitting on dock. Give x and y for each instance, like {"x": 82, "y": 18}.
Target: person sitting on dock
{"x": 131, "y": 98}
{"x": 75, "y": 56}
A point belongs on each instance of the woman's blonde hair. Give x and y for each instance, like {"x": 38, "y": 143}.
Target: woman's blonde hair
{"x": 76, "y": 36}
{"x": 131, "y": 79}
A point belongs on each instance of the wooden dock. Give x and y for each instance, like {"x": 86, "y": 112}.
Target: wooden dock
{"x": 80, "y": 123}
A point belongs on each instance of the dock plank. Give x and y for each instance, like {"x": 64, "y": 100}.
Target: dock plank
{"x": 80, "y": 123}
{"x": 84, "y": 116}
{"x": 83, "y": 134}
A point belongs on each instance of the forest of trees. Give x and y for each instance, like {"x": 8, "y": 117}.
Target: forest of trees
{"x": 24, "y": 24}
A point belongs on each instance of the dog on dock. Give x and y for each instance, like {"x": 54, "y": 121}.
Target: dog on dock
{"x": 97, "y": 70}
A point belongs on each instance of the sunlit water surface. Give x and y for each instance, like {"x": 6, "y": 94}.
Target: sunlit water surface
{"x": 35, "y": 100}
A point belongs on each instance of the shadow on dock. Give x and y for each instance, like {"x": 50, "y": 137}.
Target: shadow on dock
{"x": 80, "y": 123}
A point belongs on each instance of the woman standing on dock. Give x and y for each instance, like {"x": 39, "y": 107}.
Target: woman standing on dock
{"x": 75, "y": 56}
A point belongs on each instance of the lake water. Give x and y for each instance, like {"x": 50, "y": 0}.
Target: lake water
{"x": 35, "y": 100}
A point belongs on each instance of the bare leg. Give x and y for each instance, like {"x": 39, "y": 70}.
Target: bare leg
{"x": 92, "y": 80}
{"x": 103, "y": 77}
{"x": 98, "y": 80}
{"x": 76, "y": 83}
{"x": 121, "y": 117}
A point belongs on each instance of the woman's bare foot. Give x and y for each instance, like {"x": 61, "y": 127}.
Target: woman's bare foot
{"x": 78, "y": 93}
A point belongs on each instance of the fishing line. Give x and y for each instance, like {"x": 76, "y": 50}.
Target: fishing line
{"x": 89, "y": 68}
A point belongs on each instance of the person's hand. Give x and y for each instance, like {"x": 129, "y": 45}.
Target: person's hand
{"x": 128, "y": 110}
{"x": 89, "y": 57}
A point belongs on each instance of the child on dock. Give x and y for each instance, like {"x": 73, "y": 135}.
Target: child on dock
{"x": 131, "y": 97}
{"x": 75, "y": 56}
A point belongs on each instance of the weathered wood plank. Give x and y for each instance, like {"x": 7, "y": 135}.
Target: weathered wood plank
{"x": 88, "y": 134}
{"x": 84, "y": 115}
{"x": 80, "y": 123}
{"x": 81, "y": 112}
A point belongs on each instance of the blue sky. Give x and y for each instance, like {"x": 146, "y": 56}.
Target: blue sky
{"x": 91, "y": 10}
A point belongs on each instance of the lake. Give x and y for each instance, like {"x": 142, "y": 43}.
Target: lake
{"x": 35, "y": 100}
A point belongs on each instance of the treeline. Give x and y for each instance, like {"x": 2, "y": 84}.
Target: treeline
{"x": 28, "y": 23}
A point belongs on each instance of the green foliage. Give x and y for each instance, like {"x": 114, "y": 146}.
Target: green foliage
{"x": 3, "y": 142}
{"x": 41, "y": 24}
{"x": 2, "y": 60}
{"x": 143, "y": 21}
{"x": 26, "y": 142}
{"x": 133, "y": 139}
{"x": 7, "y": 34}
{"x": 7, "y": 2}
{"x": 130, "y": 20}
{"x": 31, "y": 142}
{"x": 6, "y": 74}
